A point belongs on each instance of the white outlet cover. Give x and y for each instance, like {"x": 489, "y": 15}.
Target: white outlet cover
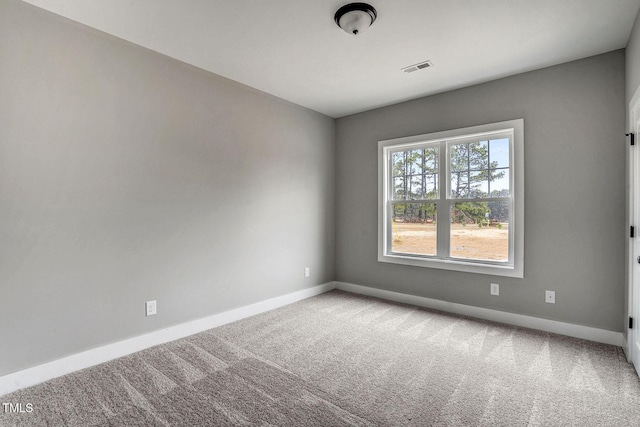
{"x": 307, "y": 272}
{"x": 550, "y": 297}
{"x": 151, "y": 307}
{"x": 495, "y": 289}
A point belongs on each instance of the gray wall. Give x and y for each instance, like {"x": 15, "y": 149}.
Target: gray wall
{"x": 574, "y": 191}
{"x": 127, "y": 176}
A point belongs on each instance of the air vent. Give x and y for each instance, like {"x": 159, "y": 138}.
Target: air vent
{"x": 416, "y": 67}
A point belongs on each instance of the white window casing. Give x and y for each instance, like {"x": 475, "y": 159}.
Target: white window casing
{"x": 445, "y": 142}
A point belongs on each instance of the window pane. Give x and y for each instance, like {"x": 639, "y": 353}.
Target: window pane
{"x": 414, "y": 161}
{"x": 415, "y": 173}
{"x": 480, "y": 231}
{"x": 480, "y": 169}
{"x": 500, "y": 183}
{"x": 459, "y": 185}
{"x": 414, "y": 228}
{"x": 431, "y": 186}
{"x": 479, "y": 184}
{"x": 397, "y": 159}
{"x": 415, "y": 187}
{"x": 399, "y": 188}
{"x": 479, "y": 155}
{"x": 431, "y": 160}
{"x": 499, "y": 153}
{"x": 499, "y": 214}
{"x": 459, "y": 157}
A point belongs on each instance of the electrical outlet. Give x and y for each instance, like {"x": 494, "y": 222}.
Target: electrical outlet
{"x": 307, "y": 272}
{"x": 550, "y": 297}
{"x": 151, "y": 307}
{"x": 495, "y": 289}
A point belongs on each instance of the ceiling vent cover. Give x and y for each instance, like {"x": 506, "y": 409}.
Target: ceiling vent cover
{"x": 416, "y": 67}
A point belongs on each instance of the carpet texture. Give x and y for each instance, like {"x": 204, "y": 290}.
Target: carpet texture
{"x": 343, "y": 359}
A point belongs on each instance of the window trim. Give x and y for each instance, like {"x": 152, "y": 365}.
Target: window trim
{"x": 385, "y": 147}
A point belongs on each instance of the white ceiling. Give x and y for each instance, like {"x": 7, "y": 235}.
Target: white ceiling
{"x": 293, "y": 49}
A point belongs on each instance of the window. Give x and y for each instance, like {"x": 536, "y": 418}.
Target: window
{"x": 454, "y": 200}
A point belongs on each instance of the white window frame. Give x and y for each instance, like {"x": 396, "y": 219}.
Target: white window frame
{"x": 515, "y": 266}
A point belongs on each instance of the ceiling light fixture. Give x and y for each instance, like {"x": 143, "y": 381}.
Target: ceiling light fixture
{"x": 354, "y": 18}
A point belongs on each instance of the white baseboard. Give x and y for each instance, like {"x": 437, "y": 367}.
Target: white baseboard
{"x": 66, "y": 365}
{"x": 569, "y": 329}
{"x": 625, "y": 347}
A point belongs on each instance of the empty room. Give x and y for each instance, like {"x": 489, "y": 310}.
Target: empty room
{"x": 319, "y": 213}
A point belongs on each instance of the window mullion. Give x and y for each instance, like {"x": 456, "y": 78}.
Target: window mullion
{"x": 389, "y": 197}
{"x": 442, "y": 209}
{"x": 405, "y": 156}
{"x": 423, "y": 180}
{"x": 489, "y": 168}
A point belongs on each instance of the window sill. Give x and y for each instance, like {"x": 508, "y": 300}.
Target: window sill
{"x": 455, "y": 265}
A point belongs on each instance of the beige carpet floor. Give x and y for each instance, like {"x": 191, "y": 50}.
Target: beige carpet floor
{"x": 342, "y": 359}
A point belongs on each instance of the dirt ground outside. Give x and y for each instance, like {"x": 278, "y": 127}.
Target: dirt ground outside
{"x": 467, "y": 241}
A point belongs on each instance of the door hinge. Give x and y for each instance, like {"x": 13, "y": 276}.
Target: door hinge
{"x": 632, "y": 231}
{"x": 632, "y": 137}
{"x": 630, "y": 322}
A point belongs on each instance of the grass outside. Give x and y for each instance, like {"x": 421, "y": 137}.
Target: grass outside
{"x": 467, "y": 241}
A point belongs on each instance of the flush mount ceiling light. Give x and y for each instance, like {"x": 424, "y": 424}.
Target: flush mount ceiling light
{"x": 354, "y": 18}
